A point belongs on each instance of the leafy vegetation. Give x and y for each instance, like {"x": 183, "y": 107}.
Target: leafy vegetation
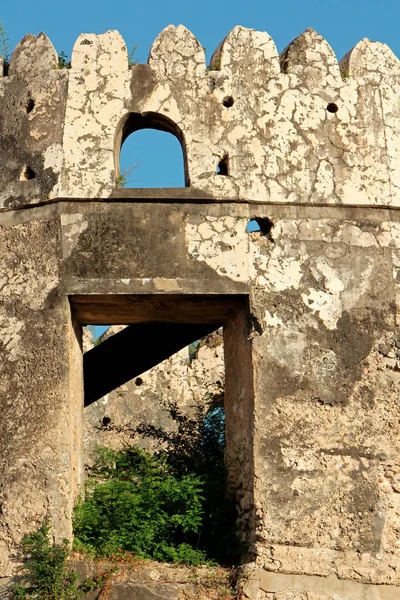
{"x": 63, "y": 61}
{"x": 136, "y": 506}
{"x": 215, "y": 66}
{"x": 171, "y": 505}
{"x": 45, "y": 574}
{"x": 123, "y": 179}
{"x": 132, "y": 60}
{"x": 5, "y": 44}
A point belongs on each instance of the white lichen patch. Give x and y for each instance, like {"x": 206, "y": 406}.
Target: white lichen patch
{"x": 272, "y": 319}
{"x": 222, "y": 244}
{"x": 72, "y": 226}
{"x": 98, "y": 89}
{"x": 277, "y": 273}
{"x": 328, "y": 306}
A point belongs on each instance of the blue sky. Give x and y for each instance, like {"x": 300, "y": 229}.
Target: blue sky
{"x": 342, "y": 22}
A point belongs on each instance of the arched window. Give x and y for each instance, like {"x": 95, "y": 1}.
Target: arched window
{"x": 150, "y": 153}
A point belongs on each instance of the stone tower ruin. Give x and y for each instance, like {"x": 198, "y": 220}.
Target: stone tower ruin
{"x": 308, "y": 148}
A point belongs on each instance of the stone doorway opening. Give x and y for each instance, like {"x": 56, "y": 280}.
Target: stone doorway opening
{"x": 157, "y": 327}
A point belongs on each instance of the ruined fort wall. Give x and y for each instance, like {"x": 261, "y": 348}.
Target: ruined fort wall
{"x": 323, "y": 292}
{"x": 312, "y": 421}
{"x": 41, "y": 386}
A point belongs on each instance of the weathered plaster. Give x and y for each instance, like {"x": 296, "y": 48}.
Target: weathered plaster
{"x": 294, "y": 128}
{"x": 31, "y": 124}
{"x": 313, "y": 355}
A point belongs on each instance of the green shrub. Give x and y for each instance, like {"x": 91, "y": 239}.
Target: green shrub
{"x": 63, "y": 61}
{"x": 197, "y": 445}
{"x": 45, "y": 574}
{"x": 171, "y": 505}
{"x": 139, "y": 508}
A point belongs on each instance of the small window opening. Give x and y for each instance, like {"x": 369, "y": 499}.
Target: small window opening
{"x": 138, "y": 381}
{"x": 30, "y": 104}
{"x": 152, "y": 153}
{"x": 252, "y": 226}
{"x": 332, "y": 107}
{"x": 223, "y": 166}
{"x": 262, "y": 225}
{"x": 228, "y": 101}
{"x": 27, "y": 174}
{"x": 106, "y": 420}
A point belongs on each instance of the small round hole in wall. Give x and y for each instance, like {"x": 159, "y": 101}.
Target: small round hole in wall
{"x": 27, "y": 174}
{"x": 223, "y": 166}
{"x": 138, "y": 381}
{"x": 332, "y": 107}
{"x": 106, "y": 421}
{"x": 228, "y": 101}
{"x": 30, "y": 104}
{"x": 261, "y": 225}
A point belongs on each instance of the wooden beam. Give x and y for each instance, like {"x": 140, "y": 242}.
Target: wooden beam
{"x": 133, "y": 351}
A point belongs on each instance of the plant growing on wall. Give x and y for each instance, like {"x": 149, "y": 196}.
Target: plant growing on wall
{"x": 132, "y": 60}
{"x": 45, "y": 574}
{"x": 123, "y": 179}
{"x": 63, "y": 61}
{"x": 135, "y": 505}
{"x": 5, "y": 44}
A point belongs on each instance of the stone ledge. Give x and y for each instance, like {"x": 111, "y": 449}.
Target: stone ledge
{"x": 327, "y": 588}
{"x": 244, "y": 209}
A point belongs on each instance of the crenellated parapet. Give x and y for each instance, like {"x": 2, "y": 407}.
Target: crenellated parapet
{"x": 32, "y": 107}
{"x": 299, "y": 128}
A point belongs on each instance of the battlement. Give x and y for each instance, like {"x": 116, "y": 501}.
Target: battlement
{"x": 299, "y": 128}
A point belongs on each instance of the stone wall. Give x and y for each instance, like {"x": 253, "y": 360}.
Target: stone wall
{"x": 296, "y": 128}
{"x": 309, "y": 304}
{"x": 41, "y": 386}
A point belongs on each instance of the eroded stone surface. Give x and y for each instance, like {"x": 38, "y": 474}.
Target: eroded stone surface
{"x": 32, "y": 111}
{"x": 40, "y": 438}
{"x": 317, "y": 456}
{"x": 292, "y": 129}
{"x": 312, "y": 350}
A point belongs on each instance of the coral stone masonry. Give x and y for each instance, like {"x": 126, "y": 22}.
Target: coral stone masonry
{"x": 309, "y": 148}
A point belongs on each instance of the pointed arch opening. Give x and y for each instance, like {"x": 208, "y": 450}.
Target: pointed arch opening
{"x": 150, "y": 152}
